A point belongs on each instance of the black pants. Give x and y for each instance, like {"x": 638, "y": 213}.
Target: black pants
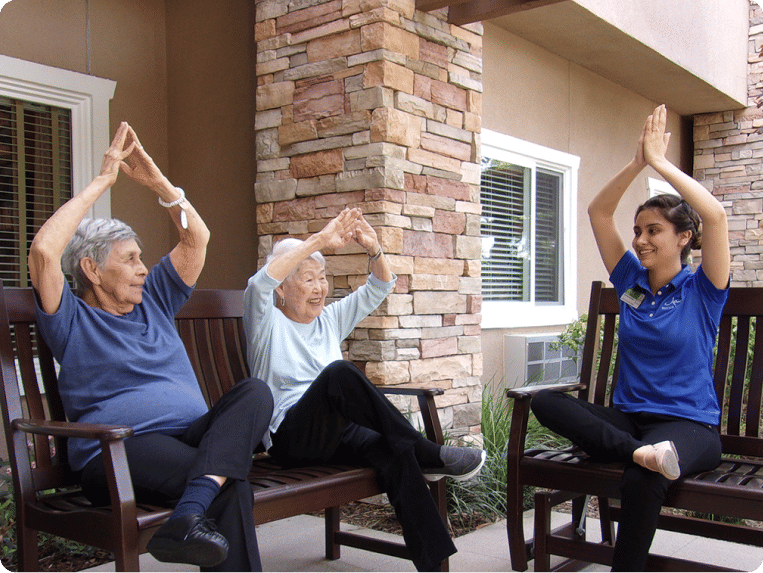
{"x": 609, "y": 435}
{"x": 344, "y": 417}
{"x": 221, "y": 442}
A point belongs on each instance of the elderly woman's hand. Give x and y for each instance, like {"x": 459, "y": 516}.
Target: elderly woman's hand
{"x": 339, "y": 231}
{"x": 365, "y": 235}
{"x": 115, "y": 155}
{"x": 140, "y": 167}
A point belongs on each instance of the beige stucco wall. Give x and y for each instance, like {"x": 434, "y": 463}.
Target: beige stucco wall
{"x": 160, "y": 52}
{"x": 707, "y": 38}
{"x": 540, "y": 97}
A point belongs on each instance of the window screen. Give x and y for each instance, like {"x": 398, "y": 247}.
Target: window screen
{"x": 35, "y": 178}
{"x": 521, "y": 233}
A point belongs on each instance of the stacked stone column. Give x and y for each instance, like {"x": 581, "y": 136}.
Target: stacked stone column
{"x": 371, "y": 103}
{"x": 728, "y": 160}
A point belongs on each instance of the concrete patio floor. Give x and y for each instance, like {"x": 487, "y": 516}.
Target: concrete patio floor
{"x": 296, "y": 544}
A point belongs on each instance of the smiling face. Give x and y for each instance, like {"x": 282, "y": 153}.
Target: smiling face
{"x": 304, "y": 292}
{"x": 656, "y": 242}
{"x": 118, "y": 284}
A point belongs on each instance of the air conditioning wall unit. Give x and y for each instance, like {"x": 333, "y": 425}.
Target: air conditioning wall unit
{"x": 532, "y": 359}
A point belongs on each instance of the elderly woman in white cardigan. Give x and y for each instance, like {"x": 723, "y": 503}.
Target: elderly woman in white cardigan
{"x": 325, "y": 407}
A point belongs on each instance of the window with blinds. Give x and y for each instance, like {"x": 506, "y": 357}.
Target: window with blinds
{"x": 35, "y": 178}
{"x": 521, "y": 233}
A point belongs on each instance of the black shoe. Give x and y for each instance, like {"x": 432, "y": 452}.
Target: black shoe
{"x": 189, "y": 539}
{"x": 458, "y": 463}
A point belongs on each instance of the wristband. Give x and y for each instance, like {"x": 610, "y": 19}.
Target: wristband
{"x": 371, "y": 259}
{"x": 178, "y": 201}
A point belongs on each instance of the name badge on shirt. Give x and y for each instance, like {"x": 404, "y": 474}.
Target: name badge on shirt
{"x": 633, "y": 297}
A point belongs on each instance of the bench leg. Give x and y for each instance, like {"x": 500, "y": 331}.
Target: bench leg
{"x": 127, "y": 561}
{"x": 332, "y": 515}
{"x": 542, "y": 531}
{"x": 607, "y": 525}
{"x": 518, "y": 549}
{"x": 28, "y": 559}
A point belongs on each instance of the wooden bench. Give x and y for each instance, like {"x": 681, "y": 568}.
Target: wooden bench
{"x": 46, "y": 490}
{"x": 733, "y": 490}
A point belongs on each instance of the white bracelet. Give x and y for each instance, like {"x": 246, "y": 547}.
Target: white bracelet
{"x": 178, "y": 201}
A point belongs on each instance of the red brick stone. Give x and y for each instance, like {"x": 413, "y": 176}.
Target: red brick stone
{"x": 383, "y": 35}
{"x": 264, "y": 30}
{"x": 431, "y": 348}
{"x": 318, "y": 163}
{"x": 449, "y": 222}
{"x": 394, "y": 195}
{"x": 448, "y": 319}
{"x": 299, "y": 20}
{"x": 446, "y": 146}
{"x": 422, "y": 87}
{"x": 433, "y": 53}
{"x": 448, "y": 95}
{"x": 415, "y": 183}
{"x": 474, "y": 303}
{"x": 334, "y": 46}
{"x": 420, "y": 244}
{"x": 318, "y": 100}
{"x": 295, "y": 210}
{"x": 472, "y": 330}
{"x": 340, "y": 199}
{"x": 448, "y": 188}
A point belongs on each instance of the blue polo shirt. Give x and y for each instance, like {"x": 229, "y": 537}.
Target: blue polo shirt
{"x": 666, "y": 343}
{"x": 129, "y": 370}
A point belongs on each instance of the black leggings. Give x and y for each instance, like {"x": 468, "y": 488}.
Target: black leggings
{"x": 610, "y": 435}
{"x": 221, "y": 442}
{"x": 343, "y": 417}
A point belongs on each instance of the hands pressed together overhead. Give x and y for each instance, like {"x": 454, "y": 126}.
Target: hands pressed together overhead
{"x": 126, "y": 153}
{"x": 347, "y": 226}
{"x": 653, "y": 142}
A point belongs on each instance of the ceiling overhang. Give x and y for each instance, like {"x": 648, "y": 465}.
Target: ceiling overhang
{"x": 567, "y": 29}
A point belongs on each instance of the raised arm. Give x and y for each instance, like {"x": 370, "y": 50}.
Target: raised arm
{"x": 190, "y": 253}
{"x": 337, "y": 234}
{"x": 716, "y": 255}
{"x": 365, "y": 236}
{"x": 601, "y": 210}
{"x": 50, "y": 241}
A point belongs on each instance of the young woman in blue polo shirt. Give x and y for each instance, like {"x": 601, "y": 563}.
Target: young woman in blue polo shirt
{"x": 665, "y": 415}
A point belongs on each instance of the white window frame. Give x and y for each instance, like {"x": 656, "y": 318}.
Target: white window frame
{"x": 87, "y": 97}
{"x": 513, "y": 314}
{"x": 659, "y": 187}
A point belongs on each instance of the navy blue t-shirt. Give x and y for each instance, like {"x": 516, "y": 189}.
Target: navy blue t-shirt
{"x": 129, "y": 370}
{"x": 666, "y": 343}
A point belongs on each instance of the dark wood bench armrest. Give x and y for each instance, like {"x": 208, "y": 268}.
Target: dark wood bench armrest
{"x": 524, "y": 392}
{"x": 413, "y": 391}
{"x": 100, "y": 432}
{"x": 428, "y": 408}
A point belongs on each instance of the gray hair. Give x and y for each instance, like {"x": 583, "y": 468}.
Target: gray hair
{"x": 93, "y": 239}
{"x": 289, "y": 244}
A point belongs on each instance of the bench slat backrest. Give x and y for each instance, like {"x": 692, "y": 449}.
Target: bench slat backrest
{"x": 737, "y": 371}
{"x": 211, "y": 327}
{"x": 31, "y": 391}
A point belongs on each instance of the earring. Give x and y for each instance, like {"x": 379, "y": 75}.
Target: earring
{"x": 282, "y": 302}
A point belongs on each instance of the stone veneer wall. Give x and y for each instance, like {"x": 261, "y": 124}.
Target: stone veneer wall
{"x": 728, "y": 160}
{"x": 371, "y": 103}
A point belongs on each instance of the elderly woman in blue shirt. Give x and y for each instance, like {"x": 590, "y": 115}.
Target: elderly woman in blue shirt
{"x": 325, "y": 407}
{"x": 123, "y": 363}
{"x": 664, "y": 420}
